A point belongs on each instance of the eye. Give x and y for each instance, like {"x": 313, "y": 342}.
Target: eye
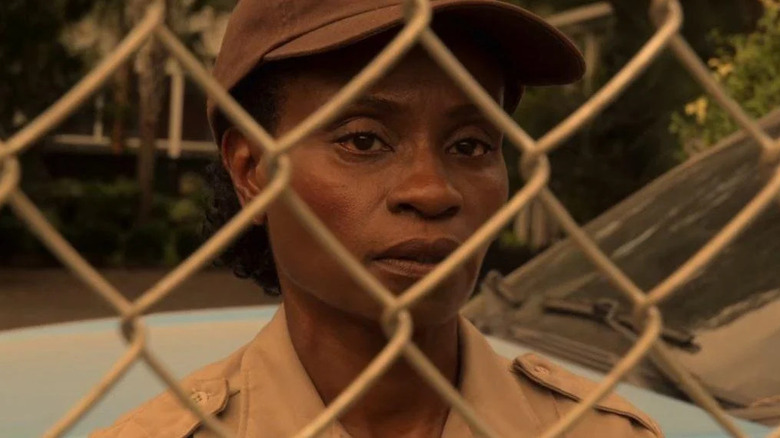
{"x": 470, "y": 147}
{"x": 362, "y": 142}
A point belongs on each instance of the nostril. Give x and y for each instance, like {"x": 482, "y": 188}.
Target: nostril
{"x": 428, "y": 213}
{"x": 426, "y": 192}
{"x": 450, "y": 212}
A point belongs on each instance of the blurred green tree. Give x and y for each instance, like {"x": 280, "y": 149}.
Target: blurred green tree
{"x": 46, "y": 46}
{"x": 35, "y": 67}
{"x": 95, "y": 36}
{"x": 629, "y": 144}
{"x": 748, "y": 66}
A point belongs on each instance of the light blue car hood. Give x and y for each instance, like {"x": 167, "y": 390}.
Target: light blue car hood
{"x": 46, "y": 370}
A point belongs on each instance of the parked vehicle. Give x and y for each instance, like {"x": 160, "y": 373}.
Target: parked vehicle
{"x": 723, "y": 325}
{"x": 45, "y": 370}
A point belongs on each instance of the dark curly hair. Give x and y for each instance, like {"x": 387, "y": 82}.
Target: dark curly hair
{"x": 249, "y": 256}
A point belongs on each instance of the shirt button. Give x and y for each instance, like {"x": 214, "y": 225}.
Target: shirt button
{"x": 541, "y": 370}
{"x": 199, "y": 397}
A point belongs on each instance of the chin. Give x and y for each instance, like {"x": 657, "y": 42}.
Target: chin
{"x": 437, "y": 307}
{"x": 442, "y": 303}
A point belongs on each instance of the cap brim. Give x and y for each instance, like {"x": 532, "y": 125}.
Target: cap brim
{"x": 540, "y": 53}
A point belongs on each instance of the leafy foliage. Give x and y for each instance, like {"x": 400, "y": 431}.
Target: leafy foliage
{"x": 100, "y": 220}
{"x": 46, "y": 46}
{"x": 748, "y": 67}
{"x": 35, "y": 68}
{"x": 629, "y": 144}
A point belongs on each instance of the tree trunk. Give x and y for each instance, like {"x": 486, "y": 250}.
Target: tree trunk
{"x": 120, "y": 91}
{"x": 151, "y": 65}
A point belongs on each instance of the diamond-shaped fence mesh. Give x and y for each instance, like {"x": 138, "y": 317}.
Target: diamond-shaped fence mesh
{"x": 396, "y": 319}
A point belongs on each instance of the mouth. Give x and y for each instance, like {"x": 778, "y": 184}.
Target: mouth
{"x": 405, "y": 267}
{"x": 415, "y": 258}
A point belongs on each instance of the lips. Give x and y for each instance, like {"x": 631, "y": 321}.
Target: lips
{"x": 415, "y": 257}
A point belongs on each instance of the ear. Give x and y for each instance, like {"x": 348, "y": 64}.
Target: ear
{"x": 242, "y": 161}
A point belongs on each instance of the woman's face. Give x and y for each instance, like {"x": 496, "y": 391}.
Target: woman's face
{"x": 401, "y": 178}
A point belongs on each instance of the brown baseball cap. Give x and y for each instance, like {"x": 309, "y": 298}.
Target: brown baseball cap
{"x": 263, "y": 31}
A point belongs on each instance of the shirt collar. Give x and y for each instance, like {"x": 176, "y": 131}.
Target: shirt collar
{"x": 491, "y": 389}
{"x": 279, "y": 399}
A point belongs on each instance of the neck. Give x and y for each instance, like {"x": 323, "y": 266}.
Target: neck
{"x": 334, "y": 347}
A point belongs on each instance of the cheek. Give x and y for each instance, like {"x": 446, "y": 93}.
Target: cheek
{"x": 340, "y": 201}
{"x": 498, "y": 194}
{"x": 343, "y": 205}
{"x": 489, "y": 192}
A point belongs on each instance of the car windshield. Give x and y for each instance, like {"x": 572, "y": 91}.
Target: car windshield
{"x": 746, "y": 333}
{"x": 730, "y": 308}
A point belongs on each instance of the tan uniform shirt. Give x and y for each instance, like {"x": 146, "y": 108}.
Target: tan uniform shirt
{"x": 263, "y": 391}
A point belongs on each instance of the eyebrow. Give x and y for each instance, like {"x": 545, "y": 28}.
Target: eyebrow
{"x": 375, "y": 104}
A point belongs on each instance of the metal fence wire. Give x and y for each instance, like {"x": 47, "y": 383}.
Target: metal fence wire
{"x": 667, "y": 16}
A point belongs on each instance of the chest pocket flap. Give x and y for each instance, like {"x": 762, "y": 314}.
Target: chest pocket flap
{"x": 165, "y": 417}
{"x": 561, "y": 381}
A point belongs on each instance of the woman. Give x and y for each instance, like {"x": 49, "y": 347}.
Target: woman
{"x": 401, "y": 177}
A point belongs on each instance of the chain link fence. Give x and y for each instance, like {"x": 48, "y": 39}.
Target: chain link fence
{"x": 396, "y": 320}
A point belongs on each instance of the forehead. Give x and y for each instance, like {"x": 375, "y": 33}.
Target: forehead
{"x": 415, "y": 71}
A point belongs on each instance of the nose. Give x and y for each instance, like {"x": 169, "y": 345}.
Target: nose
{"x": 425, "y": 190}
